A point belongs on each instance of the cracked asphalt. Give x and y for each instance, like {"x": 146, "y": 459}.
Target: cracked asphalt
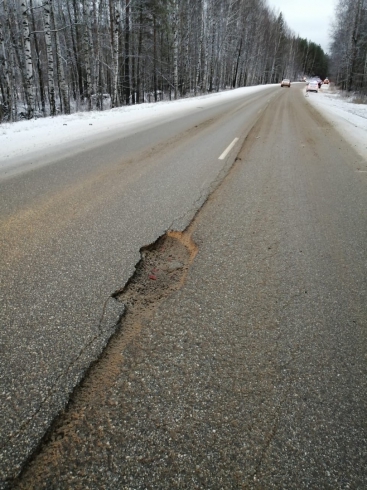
{"x": 71, "y": 231}
{"x": 253, "y": 374}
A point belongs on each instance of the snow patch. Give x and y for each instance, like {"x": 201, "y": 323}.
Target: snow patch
{"x": 348, "y": 118}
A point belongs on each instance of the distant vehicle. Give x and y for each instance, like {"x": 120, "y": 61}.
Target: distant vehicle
{"x": 326, "y": 81}
{"x": 312, "y": 86}
{"x": 319, "y": 81}
{"x": 286, "y": 83}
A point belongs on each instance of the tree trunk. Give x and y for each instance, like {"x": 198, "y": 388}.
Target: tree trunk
{"x": 50, "y": 56}
{"x": 5, "y": 69}
{"x": 13, "y": 58}
{"x": 39, "y": 70}
{"x": 127, "y": 88}
{"x": 77, "y": 46}
{"x": 65, "y": 102}
{"x": 99, "y": 79}
{"x": 354, "y": 41}
{"x": 175, "y": 48}
{"x": 29, "y": 78}
{"x": 138, "y": 64}
{"x": 234, "y": 82}
{"x": 155, "y": 88}
{"x": 206, "y": 27}
{"x": 115, "y": 48}
{"x": 86, "y": 50}
{"x": 200, "y": 49}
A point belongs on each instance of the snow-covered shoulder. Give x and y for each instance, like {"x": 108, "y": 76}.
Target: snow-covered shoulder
{"x": 349, "y": 118}
{"x": 22, "y": 138}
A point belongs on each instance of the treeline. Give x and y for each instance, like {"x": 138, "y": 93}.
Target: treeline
{"x": 349, "y": 45}
{"x": 58, "y": 56}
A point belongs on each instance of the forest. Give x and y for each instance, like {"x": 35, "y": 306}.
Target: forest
{"x": 348, "y": 57}
{"x": 62, "y": 56}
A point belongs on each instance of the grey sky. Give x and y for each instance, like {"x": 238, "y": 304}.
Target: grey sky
{"x": 309, "y": 20}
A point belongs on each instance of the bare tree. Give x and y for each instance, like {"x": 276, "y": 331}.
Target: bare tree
{"x": 349, "y": 45}
{"x": 50, "y": 56}
{"x": 136, "y": 50}
{"x": 28, "y": 64}
{"x": 115, "y": 15}
{"x": 60, "y": 69}
{"x": 6, "y": 86}
{"x": 175, "y": 46}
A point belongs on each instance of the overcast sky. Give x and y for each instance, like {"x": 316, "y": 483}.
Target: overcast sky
{"x": 311, "y": 20}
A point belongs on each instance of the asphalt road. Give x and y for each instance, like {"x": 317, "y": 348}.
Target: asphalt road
{"x": 253, "y": 374}
{"x": 72, "y": 225}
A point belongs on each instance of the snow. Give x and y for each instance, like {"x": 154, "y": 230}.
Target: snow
{"x": 23, "y": 139}
{"x": 347, "y": 117}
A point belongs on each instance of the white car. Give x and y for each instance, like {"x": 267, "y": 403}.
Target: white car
{"x": 286, "y": 83}
{"x": 312, "y": 86}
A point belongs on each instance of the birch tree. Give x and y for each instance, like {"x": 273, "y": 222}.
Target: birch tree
{"x": 87, "y": 58}
{"x": 175, "y": 46}
{"x": 141, "y": 50}
{"x": 50, "y": 56}
{"x": 38, "y": 61}
{"x": 28, "y": 63}
{"x": 127, "y": 81}
{"x": 5, "y": 79}
{"x": 115, "y": 15}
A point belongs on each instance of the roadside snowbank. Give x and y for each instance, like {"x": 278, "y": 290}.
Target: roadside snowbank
{"x": 348, "y": 118}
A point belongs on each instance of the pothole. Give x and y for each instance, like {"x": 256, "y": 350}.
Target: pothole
{"x": 160, "y": 272}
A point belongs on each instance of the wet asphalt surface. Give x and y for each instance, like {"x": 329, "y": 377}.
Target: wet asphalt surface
{"x": 253, "y": 374}
{"x": 71, "y": 233}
